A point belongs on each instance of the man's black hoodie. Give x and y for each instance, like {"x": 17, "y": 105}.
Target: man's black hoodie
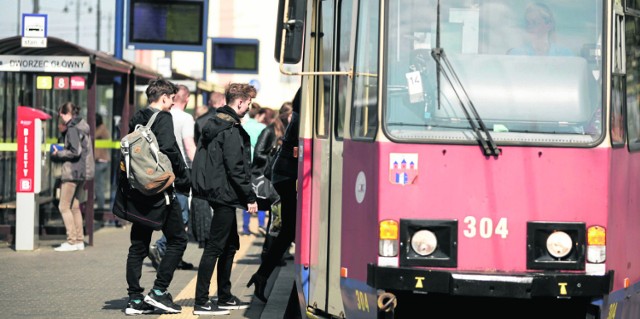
{"x": 226, "y": 168}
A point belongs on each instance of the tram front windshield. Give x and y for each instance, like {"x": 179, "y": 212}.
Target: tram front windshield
{"x": 531, "y": 70}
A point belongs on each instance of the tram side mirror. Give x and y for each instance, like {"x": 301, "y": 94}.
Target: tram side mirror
{"x": 294, "y": 30}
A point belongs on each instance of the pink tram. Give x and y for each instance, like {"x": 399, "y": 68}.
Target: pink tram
{"x": 464, "y": 150}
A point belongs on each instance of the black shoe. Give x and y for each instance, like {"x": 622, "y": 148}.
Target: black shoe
{"x": 137, "y": 307}
{"x": 209, "y": 308}
{"x": 154, "y": 255}
{"x": 288, "y": 256}
{"x": 260, "y": 283}
{"x": 162, "y": 300}
{"x": 233, "y": 303}
{"x": 185, "y": 265}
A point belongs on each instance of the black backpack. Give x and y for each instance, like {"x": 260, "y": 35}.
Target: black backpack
{"x": 202, "y": 162}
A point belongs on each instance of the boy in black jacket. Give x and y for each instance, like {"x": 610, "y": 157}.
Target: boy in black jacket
{"x": 229, "y": 150}
{"x": 160, "y": 95}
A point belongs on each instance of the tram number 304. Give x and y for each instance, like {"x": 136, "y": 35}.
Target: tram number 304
{"x": 484, "y": 227}
{"x": 363, "y": 304}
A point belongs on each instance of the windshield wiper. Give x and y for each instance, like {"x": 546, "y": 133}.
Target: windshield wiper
{"x": 489, "y": 147}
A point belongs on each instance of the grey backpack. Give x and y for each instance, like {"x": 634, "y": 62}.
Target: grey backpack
{"x": 148, "y": 170}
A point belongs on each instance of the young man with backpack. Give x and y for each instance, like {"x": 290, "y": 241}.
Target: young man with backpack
{"x": 221, "y": 174}
{"x": 133, "y": 201}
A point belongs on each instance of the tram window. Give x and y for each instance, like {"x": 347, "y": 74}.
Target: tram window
{"x": 364, "y": 115}
{"x": 633, "y": 4}
{"x": 344, "y": 51}
{"x": 489, "y": 47}
{"x": 325, "y": 63}
{"x": 617, "y": 111}
{"x": 632, "y": 32}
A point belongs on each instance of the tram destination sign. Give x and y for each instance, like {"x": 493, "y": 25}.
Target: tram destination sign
{"x": 44, "y": 63}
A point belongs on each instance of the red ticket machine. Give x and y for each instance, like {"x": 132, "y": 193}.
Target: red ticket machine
{"x": 29, "y": 176}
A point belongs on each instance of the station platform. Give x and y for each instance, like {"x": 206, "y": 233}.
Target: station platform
{"x": 44, "y": 283}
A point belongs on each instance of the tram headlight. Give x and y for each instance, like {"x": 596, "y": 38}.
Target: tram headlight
{"x": 424, "y": 242}
{"x": 559, "y": 244}
{"x": 428, "y": 243}
{"x": 556, "y": 245}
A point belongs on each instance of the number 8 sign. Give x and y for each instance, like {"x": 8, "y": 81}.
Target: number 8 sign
{"x": 60, "y": 83}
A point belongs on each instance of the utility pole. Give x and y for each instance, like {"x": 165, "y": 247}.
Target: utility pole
{"x": 98, "y": 26}
{"x": 19, "y": 19}
{"x": 36, "y": 6}
{"x": 77, "y": 21}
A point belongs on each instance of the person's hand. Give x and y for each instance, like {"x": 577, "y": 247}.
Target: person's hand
{"x": 252, "y": 207}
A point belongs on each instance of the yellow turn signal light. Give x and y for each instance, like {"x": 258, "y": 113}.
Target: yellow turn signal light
{"x": 389, "y": 229}
{"x": 596, "y": 235}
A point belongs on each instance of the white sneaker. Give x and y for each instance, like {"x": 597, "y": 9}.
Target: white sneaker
{"x": 80, "y": 246}
{"x": 66, "y": 247}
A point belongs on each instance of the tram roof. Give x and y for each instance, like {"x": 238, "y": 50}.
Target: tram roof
{"x": 57, "y": 46}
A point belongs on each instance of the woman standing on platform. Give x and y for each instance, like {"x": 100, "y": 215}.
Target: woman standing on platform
{"x": 77, "y": 167}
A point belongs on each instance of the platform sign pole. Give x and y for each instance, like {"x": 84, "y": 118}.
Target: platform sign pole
{"x": 29, "y": 176}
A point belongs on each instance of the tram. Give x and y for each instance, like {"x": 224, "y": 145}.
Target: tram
{"x": 455, "y": 151}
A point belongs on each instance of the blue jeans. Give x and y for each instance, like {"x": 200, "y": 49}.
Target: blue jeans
{"x": 183, "y": 200}
{"x": 246, "y": 216}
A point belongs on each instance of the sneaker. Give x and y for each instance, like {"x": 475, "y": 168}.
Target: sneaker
{"x": 154, "y": 255}
{"x": 66, "y": 247}
{"x": 262, "y": 231}
{"x": 137, "y": 307}
{"x": 185, "y": 265}
{"x": 80, "y": 246}
{"x": 162, "y": 300}
{"x": 233, "y": 303}
{"x": 274, "y": 232}
{"x": 209, "y": 308}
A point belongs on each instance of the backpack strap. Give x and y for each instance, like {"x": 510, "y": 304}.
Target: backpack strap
{"x": 153, "y": 147}
{"x": 153, "y": 118}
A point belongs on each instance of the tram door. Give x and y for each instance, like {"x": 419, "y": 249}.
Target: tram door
{"x": 332, "y": 53}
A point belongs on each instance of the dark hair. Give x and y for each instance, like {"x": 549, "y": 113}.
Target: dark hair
{"x": 236, "y": 91}
{"x": 158, "y": 87}
{"x": 254, "y": 109}
{"x": 69, "y": 107}
{"x": 98, "y": 119}
{"x": 297, "y": 99}
{"x": 281, "y": 122}
{"x": 269, "y": 115}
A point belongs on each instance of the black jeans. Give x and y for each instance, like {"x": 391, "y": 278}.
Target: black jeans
{"x": 173, "y": 230}
{"x": 220, "y": 247}
{"x": 288, "y": 203}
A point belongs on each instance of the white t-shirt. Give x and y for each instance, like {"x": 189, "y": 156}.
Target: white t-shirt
{"x": 183, "y": 126}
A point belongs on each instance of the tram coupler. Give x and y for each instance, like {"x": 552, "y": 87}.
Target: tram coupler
{"x": 387, "y": 303}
